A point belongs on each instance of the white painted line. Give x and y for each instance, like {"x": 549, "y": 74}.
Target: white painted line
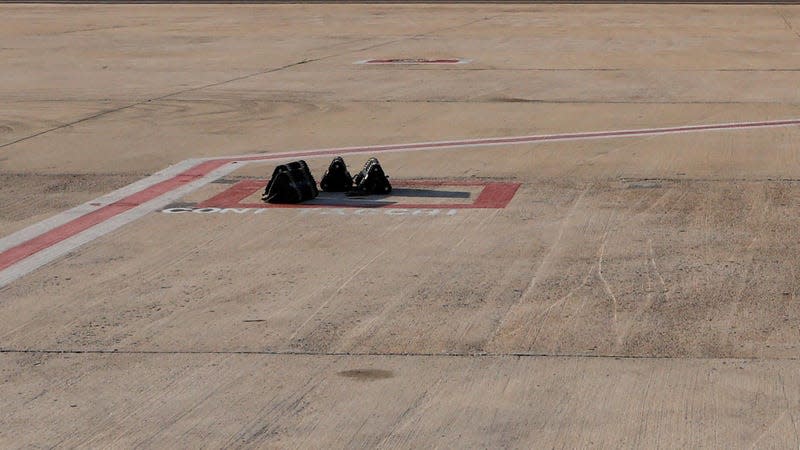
{"x": 517, "y": 140}
{"x": 60, "y": 249}
{"x": 70, "y": 235}
{"x": 48, "y": 224}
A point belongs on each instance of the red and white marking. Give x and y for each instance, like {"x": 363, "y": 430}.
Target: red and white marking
{"x": 28, "y": 249}
{"x": 491, "y": 195}
{"x": 414, "y": 61}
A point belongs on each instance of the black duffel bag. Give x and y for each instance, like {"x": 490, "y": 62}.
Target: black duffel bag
{"x": 336, "y": 178}
{"x": 371, "y": 180}
{"x": 291, "y": 183}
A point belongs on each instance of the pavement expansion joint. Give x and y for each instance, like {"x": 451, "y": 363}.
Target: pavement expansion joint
{"x": 389, "y": 354}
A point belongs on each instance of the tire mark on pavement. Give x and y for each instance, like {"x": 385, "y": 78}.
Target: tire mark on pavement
{"x": 537, "y": 274}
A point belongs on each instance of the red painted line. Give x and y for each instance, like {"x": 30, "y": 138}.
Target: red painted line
{"x": 69, "y": 229}
{"x": 496, "y": 195}
{"x": 233, "y": 196}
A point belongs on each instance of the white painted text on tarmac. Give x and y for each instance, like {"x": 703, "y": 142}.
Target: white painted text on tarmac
{"x": 424, "y": 212}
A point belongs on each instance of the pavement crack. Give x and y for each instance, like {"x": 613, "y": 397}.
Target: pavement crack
{"x": 112, "y": 352}
{"x": 788, "y": 23}
{"x": 106, "y": 112}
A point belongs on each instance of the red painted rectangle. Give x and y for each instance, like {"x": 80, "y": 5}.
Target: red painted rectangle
{"x": 493, "y": 195}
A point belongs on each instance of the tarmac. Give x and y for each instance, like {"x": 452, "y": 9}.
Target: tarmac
{"x": 592, "y": 240}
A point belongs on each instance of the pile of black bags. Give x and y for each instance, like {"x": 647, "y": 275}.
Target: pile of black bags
{"x": 294, "y": 183}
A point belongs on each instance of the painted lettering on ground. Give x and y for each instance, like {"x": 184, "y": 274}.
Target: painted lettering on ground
{"x": 421, "y": 212}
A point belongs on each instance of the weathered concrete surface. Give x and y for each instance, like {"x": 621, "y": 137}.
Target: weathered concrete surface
{"x": 168, "y": 400}
{"x": 677, "y": 252}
